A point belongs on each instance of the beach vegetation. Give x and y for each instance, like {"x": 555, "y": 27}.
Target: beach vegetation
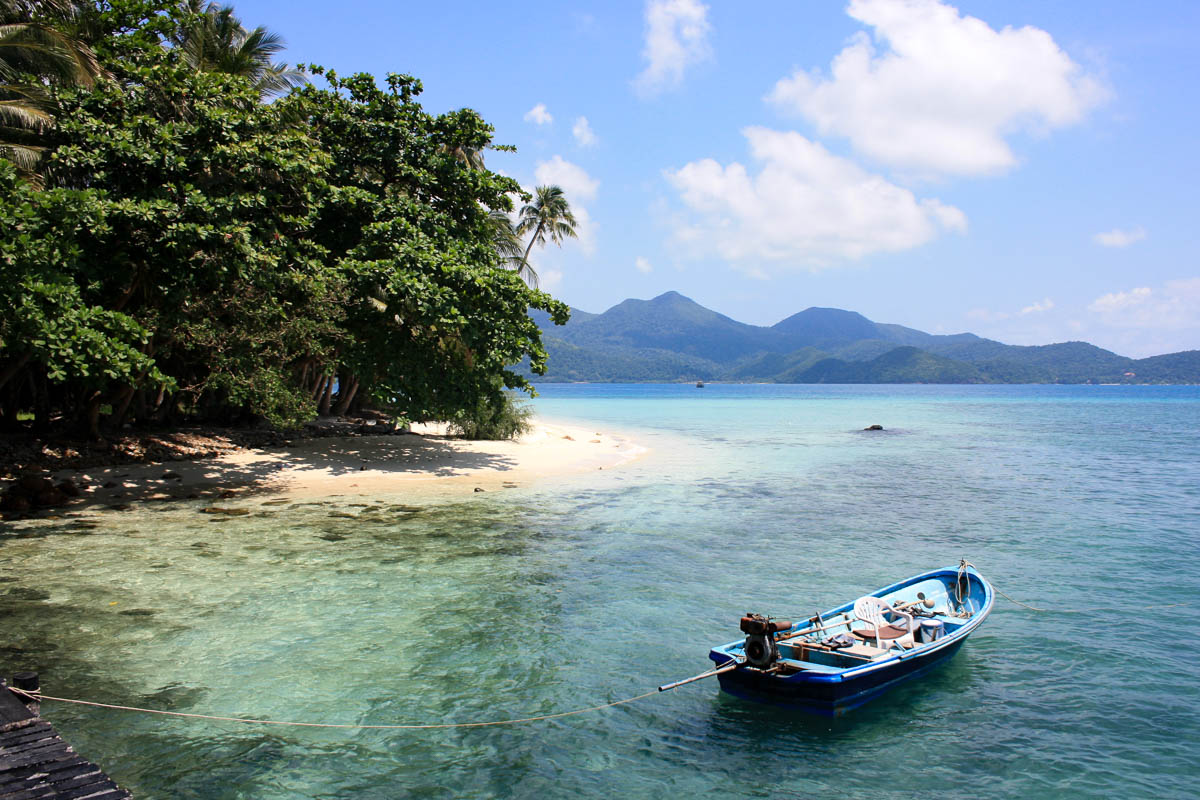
{"x": 193, "y": 253}
{"x": 505, "y": 417}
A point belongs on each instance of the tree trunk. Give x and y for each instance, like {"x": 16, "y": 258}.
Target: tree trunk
{"x": 323, "y": 383}
{"x": 121, "y": 404}
{"x": 346, "y": 391}
{"x": 326, "y": 398}
{"x": 92, "y": 415}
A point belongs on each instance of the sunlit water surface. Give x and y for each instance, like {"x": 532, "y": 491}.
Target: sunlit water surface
{"x": 598, "y": 587}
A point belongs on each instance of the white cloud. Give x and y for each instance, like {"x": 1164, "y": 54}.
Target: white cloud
{"x": 676, "y": 38}
{"x": 1148, "y": 321}
{"x": 1037, "y": 308}
{"x": 937, "y": 92}
{"x": 804, "y": 206}
{"x": 1119, "y": 238}
{"x": 642, "y": 265}
{"x": 579, "y": 187}
{"x": 538, "y": 115}
{"x": 1120, "y": 301}
{"x": 582, "y": 131}
{"x": 571, "y": 177}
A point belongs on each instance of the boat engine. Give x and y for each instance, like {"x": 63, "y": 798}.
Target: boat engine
{"x": 760, "y": 647}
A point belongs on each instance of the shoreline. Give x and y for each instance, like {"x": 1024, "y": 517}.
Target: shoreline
{"x": 424, "y": 462}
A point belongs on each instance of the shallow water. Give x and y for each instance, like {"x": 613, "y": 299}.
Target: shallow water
{"x": 598, "y": 587}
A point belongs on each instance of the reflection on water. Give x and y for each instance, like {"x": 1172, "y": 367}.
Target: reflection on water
{"x": 594, "y": 588}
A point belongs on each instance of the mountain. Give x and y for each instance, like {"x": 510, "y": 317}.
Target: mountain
{"x": 671, "y": 322}
{"x": 673, "y": 338}
{"x": 827, "y": 327}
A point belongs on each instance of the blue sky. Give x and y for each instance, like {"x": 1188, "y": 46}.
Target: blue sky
{"x": 1026, "y": 171}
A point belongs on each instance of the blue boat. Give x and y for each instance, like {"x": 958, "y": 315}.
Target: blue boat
{"x": 836, "y": 661}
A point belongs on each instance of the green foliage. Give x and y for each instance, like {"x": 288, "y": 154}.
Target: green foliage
{"x": 501, "y": 417}
{"x": 548, "y": 216}
{"x": 210, "y": 255}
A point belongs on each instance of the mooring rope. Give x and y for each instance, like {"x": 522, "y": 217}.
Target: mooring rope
{"x": 38, "y": 696}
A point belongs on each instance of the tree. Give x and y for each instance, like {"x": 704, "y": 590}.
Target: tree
{"x": 36, "y": 54}
{"x": 549, "y": 215}
{"x": 200, "y": 254}
{"x": 212, "y": 39}
{"x": 505, "y": 238}
{"x": 434, "y": 317}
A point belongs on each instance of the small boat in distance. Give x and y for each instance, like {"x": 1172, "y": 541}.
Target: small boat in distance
{"x": 699, "y": 384}
{"x": 837, "y": 660}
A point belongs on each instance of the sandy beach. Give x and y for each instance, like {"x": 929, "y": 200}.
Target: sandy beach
{"x": 426, "y": 461}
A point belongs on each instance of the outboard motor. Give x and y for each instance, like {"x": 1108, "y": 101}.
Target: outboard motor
{"x": 760, "y": 631}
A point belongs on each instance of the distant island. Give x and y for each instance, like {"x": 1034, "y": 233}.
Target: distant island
{"x": 673, "y": 338}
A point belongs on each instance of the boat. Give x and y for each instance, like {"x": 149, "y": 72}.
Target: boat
{"x": 699, "y": 384}
{"x": 840, "y": 659}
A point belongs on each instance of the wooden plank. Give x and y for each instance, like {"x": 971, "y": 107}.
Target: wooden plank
{"x": 12, "y": 709}
{"x": 90, "y": 791}
{"x": 36, "y": 763}
{"x": 30, "y": 745}
{"x": 36, "y": 730}
{"x": 39, "y": 756}
{"x": 50, "y": 767}
{"x": 54, "y": 771}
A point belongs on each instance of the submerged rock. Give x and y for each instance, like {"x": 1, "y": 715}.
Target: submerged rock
{"x": 873, "y": 428}
{"x": 233, "y": 512}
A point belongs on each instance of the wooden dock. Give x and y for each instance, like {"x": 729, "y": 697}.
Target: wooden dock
{"x": 36, "y": 763}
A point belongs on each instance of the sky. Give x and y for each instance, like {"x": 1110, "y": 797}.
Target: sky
{"x": 1025, "y": 171}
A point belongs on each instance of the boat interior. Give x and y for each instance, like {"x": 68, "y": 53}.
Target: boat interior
{"x": 873, "y": 628}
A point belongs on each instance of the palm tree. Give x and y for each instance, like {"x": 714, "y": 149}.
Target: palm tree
{"x": 504, "y": 238}
{"x": 212, "y": 39}
{"x": 549, "y": 215}
{"x": 35, "y": 52}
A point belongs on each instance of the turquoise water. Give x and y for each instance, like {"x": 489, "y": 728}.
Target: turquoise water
{"x": 597, "y": 587}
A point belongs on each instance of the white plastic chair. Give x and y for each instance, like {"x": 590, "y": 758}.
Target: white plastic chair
{"x": 872, "y": 610}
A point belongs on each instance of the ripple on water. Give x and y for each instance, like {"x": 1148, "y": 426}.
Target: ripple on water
{"x": 416, "y": 610}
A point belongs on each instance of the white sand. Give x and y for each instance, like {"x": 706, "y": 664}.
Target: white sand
{"x": 425, "y": 463}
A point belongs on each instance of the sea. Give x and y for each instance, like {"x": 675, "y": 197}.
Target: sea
{"x": 1080, "y": 503}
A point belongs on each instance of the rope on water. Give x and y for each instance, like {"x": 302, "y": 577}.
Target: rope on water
{"x": 38, "y": 696}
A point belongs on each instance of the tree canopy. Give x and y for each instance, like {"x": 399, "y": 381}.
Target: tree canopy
{"x": 195, "y": 253}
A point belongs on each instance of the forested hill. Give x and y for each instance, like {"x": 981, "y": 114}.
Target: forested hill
{"x": 672, "y": 338}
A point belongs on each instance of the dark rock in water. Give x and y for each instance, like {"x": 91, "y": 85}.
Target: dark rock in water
{"x": 68, "y": 488}
{"x": 479, "y": 490}
{"x": 172, "y": 476}
{"x": 403, "y": 509}
{"x": 342, "y": 515}
{"x": 228, "y": 493}
{"x": 138, "y": 612}
{"x": 233, "y": 512}
{"x": 199, "y": 544}
{"x": 120, "y": 507}
{"x": 332, "y": 537}
{"x": 873, "y": 428}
